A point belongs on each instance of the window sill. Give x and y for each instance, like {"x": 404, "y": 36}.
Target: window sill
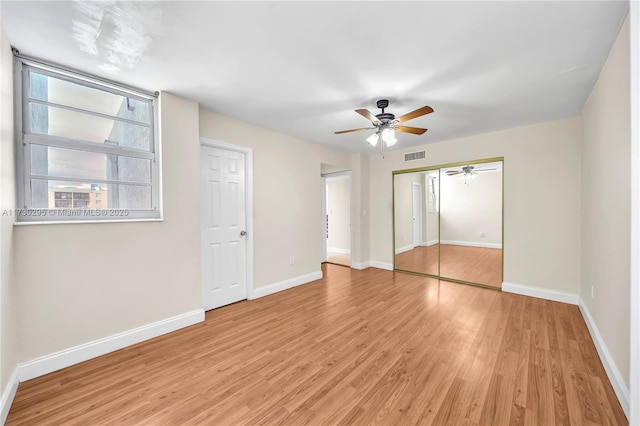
{"x": 73, "y": 222}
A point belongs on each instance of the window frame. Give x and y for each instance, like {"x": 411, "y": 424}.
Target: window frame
{"x": 25, "y": 138}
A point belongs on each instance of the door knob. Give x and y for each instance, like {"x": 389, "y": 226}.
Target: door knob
{"x": 243, "y": 233}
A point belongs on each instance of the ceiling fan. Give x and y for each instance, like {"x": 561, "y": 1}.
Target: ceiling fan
{"x": 468, "y": 171}
{"x": 386, "y": 124}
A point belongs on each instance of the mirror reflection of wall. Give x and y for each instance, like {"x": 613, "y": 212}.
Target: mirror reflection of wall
{"x": 471, "y": 223}
{"x": 448, "y": 222}
{"x": 416, "y": 222}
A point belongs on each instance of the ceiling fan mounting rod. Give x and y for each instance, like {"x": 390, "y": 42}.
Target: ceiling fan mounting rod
{"x": 382, "y": 104}
{"x": 384, "y": 117}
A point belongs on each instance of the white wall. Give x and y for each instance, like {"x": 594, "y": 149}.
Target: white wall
{"x": 606, "y": 179}
{"x": 403, "y": 205}
{"x": 339, "y": 212}
{"x": 8, "y": 295}
{"x": 541, "y": 196}
{"x": 431, "y": 219}
{"x": 467, "y": 209}
{"x": 634, "y": 355}
{"x": 287, "y": 195}
{"x": 82, "y": 282}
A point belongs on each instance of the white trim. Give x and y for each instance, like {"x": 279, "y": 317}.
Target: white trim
{"x": 8, "y": 393}
{"x": 381, "y": 265}
{"x": 337, "y": 176}
{"x": 338, "y": 250}
{"x": 65, "y": 358}
{"x": 403, "y": 249}
{"x": 616, "y": 379}
{"x": 429, "y": 243}
{"x": 323, "y": 218}
{"x": 248, "y": 169}
{"x": 327, "y": 177}
{"x": 634, "y": 339}
{"x": 266, "y": 290}
{"x": 541, "y": 293}
{"x": 471, "y": 244}
{"x": 361, "y": 265}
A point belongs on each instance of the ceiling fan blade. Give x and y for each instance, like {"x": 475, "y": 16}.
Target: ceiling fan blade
{"x": 408, "y": 129}
{"x": 368, "y": 115}
{"x": 483, "y": 170}
{"x": 453, "y": 172}
{"x": 414, "y": 114}
{"x": 353, "y": 130}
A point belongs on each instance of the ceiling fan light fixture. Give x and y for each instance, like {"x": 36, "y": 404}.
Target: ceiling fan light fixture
{"x": 373, "y": 139}
{"x": 388, "y": 135}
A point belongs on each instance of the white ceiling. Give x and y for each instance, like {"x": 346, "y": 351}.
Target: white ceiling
{"x": 301, "y": 68}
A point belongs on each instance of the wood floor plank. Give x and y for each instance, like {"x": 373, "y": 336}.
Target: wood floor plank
{"x": 357, "y": 347}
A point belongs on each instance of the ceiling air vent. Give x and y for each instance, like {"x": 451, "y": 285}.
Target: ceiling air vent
{"x": 418, "y": 155}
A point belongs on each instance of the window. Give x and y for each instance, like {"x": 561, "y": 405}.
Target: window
{"x": 432, "y": 194}
{"x": 88, "y": 149}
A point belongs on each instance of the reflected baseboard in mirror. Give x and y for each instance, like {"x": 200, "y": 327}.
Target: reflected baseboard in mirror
{"x": 458, "y": 209}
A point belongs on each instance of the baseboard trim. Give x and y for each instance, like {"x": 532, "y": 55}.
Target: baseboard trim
{"x": 68, "y": 357}
{"x": 541, "y": 293}
{"x": 361, "y": 265}
{"x": 286, "y": 284}
{"x": 338, "y": 250}
{"x": 471, "y": 244}
{"x": 8, "y": 393}
{"x": 429, "y": 243}
{"x": 403, "y": 249}
{"x": 619, "y": 386}
{"x": 381, "y": 265}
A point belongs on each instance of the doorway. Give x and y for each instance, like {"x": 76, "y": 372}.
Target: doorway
{"x": 226, "y": 226}
{"x": 417, "y": 213}
{"x": 337, "y": 218}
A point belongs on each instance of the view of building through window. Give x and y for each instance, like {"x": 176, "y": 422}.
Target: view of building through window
{"x": 86, "y": 147}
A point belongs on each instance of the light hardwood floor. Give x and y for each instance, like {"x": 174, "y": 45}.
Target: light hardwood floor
{"x": 357, "y": 347}
{"x": 474, "y": 264}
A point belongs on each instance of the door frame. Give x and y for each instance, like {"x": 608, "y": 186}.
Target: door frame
{"x": 248, "y": 179}
{"x": 323, "y": 219}
{"x": 347, "y": 174}
{"x": 417, "y": 223}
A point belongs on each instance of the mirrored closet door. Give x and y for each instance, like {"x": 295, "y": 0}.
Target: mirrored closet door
{"x": 448, "y": 221}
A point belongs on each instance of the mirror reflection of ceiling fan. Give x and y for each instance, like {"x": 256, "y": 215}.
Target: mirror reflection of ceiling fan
{"x": 468, "y": 171}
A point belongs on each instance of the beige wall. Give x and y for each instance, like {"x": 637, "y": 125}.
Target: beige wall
{"x": 287, "y": 195}
{"x": 82, "y": 282}
{"x": 606, "y": 178}
{"x": 541, "y": 195}
{"x": 339, "y": 212}
{"x": 360, "y": 208}
{"x": 467, "y": 209}
{"x": 8, "y": 296}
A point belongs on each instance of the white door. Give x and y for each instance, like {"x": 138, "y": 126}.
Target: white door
{"x": 417, "y": 214}
{"x": 224, "y": 247}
